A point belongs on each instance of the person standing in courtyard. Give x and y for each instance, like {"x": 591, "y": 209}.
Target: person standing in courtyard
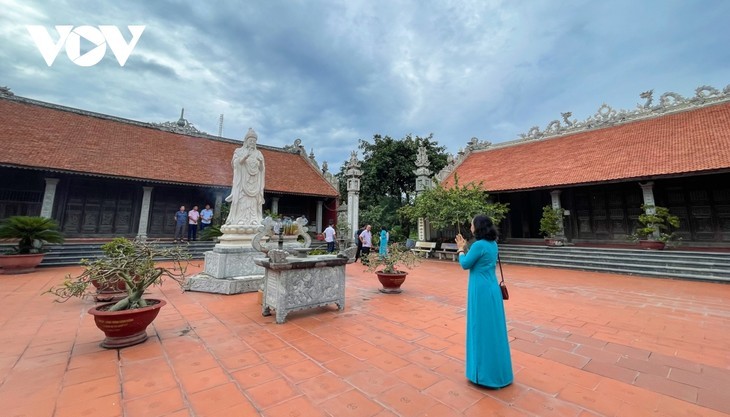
{"x": 193, "y": 217}
{"x": 384, "y": 238}
{"x": 366, "y": 237}
{"x": 329, "y": 237}
{"x": 206, "y": 217}
{"x": 358, "y": 243}
{"x": 181, "y": 218}
{"x": 488, "y": 358}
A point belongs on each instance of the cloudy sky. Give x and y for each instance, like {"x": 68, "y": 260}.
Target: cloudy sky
{"x": 332, "y": 72}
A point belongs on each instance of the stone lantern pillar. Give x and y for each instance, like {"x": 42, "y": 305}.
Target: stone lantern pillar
{"x": 353, "y": 174}
{"x": 555, "y": 200}
{"x": 423, "y": 183}
{"x": 647, "y": 192}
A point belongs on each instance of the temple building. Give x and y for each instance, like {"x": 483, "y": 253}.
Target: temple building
{"x": 674, "y": 153}
{"x": 104, "y": 176}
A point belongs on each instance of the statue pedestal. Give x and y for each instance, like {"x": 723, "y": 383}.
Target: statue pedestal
{"x": 229, "y": 269}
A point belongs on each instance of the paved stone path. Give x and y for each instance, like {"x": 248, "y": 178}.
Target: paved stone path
{"x": 583, "y": 344}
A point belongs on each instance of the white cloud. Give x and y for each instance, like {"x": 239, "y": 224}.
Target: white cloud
{"x": 332, "y": 72}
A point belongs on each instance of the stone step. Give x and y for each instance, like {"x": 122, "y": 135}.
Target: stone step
{"x": 623, "y": 252}
{"x": 612, "y": 269}
{"x": 678, "y": 268}
{"x": 647, "y": 260}
{"x": 711, "y": 266}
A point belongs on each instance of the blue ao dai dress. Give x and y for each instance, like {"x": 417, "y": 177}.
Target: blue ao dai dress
{"x": 488, "y": 359}
{"x": 384, "y": 236}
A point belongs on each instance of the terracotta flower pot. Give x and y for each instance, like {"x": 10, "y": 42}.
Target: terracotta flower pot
{"x": 651, "y": 244}
{"x": 20, "y": 264}
{"x": 554, "y": 242}
{"x": 127, "y": 327}
{"x": 391, "y": 282}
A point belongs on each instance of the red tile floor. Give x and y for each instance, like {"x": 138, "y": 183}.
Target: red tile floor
{"x": 583, "y": 344}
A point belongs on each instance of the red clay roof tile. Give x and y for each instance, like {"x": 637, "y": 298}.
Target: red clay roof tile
{"x": 49, "y": 138}
{"x": 691, "y": 141}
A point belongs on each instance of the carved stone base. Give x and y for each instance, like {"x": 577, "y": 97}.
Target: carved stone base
{"x": 237, "y": 236}
{"x": 235, "y": 285}
{"x": 229, "y": 270}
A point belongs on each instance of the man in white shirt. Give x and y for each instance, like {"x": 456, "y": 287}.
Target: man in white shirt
{"x": 329, "y": 237}
{"x": 193, "y": 217}
{"x": 366, "y": 238}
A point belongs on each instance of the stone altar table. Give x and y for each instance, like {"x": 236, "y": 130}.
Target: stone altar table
{"x": 293, "y": 283}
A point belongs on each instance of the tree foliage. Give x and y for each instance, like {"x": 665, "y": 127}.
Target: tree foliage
{"x": 388, "y": 181}
{"x": 455, "y": 206}
{"x": 551, "y": 221}
{"x": 32, "y": 231}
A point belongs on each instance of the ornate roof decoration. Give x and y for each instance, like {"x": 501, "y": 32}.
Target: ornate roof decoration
{"x": 605, "y": 116}
{"x": 296, "y": 147}
{"x": 608, "y": 116}
{"x": 5, "y": 92}
{"x": 181, "y": 126}
{"x": 452, "y": 162}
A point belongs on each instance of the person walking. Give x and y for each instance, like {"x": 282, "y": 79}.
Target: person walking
{"x": 193, "y": 217}
{"x": 488, "y": 359}
{"x": 366, "y": 237}
{"x": 358, "y": 243}
{"x": 384, "y": 238}
{"x": 329, "y": 237}
{"x": 181, "y": 218}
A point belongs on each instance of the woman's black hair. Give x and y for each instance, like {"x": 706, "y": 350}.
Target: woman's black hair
{"x": 484, "y": 228}
{"x": 383, "y": 228}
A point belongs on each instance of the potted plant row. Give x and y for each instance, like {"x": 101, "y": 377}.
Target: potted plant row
{"x": 31, "y": 233}
{"x": 133, "y": 266}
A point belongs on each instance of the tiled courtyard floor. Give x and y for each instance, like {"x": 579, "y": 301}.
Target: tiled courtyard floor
{"x": 583, "y": 344}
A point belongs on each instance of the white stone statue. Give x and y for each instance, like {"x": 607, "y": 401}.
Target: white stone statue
{"x": 247, "y": 193}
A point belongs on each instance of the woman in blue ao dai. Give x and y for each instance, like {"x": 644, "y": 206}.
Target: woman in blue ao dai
{"x": 384, "y": 237}
{"x": 488, "y": 359}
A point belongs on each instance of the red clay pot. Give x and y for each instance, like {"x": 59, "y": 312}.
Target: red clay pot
{"x": 391, "y": 282}
{"x": 651, "y": 244}
{"x": 127, "y": 327}
{"x": 19, "y": 264}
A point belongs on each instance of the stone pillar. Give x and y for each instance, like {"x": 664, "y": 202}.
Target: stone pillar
{"x": 555, "y": 196}
{"x": 647, "y": 191}
{"x": 218, "y": 205}
{"x": 49, "y": 196}
{"x": 318, "y": 219}
{"x": 423, "y": 183}
{"x": 144, "y": 213}
{"x": 353, "y": 173}
{"x": 275, "y": 205}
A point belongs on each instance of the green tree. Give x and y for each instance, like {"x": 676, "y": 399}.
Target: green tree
{"x": 455, "y": 206}
{"x": 388, "y": 181}
{"x": 388, "y": 166}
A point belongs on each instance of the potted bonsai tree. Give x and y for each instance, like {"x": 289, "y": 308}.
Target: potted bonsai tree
{"x": 389, "y": 268}
{"x": 124, "y": 322}
{"x": 551, "y": 224}
{"x": 655, "y": 227}
{"x": 32, "y": 233}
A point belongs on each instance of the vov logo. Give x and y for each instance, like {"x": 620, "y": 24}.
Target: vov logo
{"x": 71, "y": 38}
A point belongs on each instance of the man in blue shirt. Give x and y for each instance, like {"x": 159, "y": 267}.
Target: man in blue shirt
{"x": 181, "y": 218}
{"x": 206, "y": 216}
